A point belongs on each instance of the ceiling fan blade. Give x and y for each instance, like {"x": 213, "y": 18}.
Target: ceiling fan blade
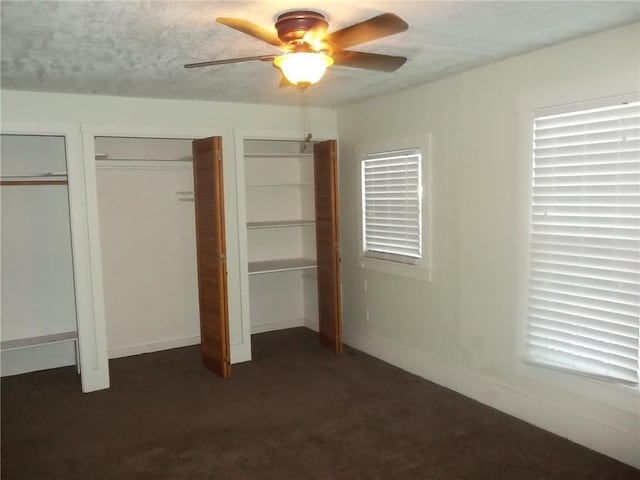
{"x": 372, "y": 29}
{"x": 262, "y": 58}
{"x": 252, "y": 29}
{"x": 368, "y": 61}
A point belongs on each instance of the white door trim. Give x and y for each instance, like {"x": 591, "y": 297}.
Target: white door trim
{"x": 90, "y": 131}
{"x": 87, "y": 267}
{"x": 240, "y": 136}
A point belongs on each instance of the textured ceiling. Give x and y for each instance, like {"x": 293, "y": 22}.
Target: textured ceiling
{"x": 132, "y": 48}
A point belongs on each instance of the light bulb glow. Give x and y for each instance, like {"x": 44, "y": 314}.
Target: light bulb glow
{"x": 303, "y": 68}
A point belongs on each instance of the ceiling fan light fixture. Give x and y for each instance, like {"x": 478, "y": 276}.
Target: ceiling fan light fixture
{"x": 303, "y": 68}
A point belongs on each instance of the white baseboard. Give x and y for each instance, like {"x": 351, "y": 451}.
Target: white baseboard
{"x": 312, "y": 325}
{"x": 153, "y": 347}
{"x": 239, "y": 353}
{"x": 281, "y": 325}
{"x": 611, "y": 440}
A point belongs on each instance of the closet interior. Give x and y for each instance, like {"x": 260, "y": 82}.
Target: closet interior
{"x": 38, "y": 321}
{"x": 147, "y": 236}
{"x": 281, "y": 234}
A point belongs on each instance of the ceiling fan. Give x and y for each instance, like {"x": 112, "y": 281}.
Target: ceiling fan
{"x": 308, "y": 50}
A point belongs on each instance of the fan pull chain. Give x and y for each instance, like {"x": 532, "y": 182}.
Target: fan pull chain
{"x": 305, "y": 124}
{"x": 301, "y": 117}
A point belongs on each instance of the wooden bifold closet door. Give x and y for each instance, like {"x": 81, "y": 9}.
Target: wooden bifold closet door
{"x": 325, "y": 160}
{"x": 211, "y": 254}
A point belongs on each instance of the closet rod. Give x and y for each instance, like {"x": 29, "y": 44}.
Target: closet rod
{"x": 37, "y": 175}
{"x": 32, "y": 182}
{"x": 36, "y": 179}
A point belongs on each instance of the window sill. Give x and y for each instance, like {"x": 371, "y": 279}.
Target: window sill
{"x": 618, "y": 383}
{"x": 613, "y": 394}
{"x": 415, "y": 272}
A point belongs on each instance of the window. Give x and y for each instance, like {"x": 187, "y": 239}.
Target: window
{"x": 392, "y": 206}
{"x": 584, "y": 276}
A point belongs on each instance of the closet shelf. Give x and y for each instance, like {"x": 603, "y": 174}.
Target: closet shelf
{"x": 278, "y": 155}
{"x": 35, "y": 341}
{"x": 36, "y": 175}
{"x": 279, "y": 224}
{"x": 282, "y": 265}
{"x": 107, "y": 159}
{"x": 269, "y": 185}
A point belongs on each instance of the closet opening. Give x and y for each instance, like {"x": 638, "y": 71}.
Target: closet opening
{"x": 290, "y": 214}
{"x": 147, "y": 235}
{"x": 38, "y": 301}
{"x": 281, "y": 235}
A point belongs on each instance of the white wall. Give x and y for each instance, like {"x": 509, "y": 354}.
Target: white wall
{"x": 147, "y": 235}
{"x": 462, "y": 328}
{"x": 119, "y": 116}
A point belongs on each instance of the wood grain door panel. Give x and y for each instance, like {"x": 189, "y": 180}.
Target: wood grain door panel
{"x": 327, "y": 244}
{"x": 211, "y": 254}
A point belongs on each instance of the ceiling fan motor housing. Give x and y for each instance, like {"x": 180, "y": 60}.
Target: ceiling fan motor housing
{"x": 293, "y": 26}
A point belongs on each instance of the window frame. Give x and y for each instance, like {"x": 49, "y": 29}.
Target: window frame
{"x": 421, "y": 268}
{"x": 527, "y": 121}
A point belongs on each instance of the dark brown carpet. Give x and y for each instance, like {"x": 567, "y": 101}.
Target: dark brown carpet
{"x": 295, "y": 412}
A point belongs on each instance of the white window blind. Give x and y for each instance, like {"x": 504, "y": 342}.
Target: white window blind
{"x": 392, "y": 205}
{"x": 584, "y": 281}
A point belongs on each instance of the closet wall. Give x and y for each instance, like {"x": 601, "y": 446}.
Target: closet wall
{"x": 38, "y": 311}
{"x": 147, "y": 232}
{"x": 281, "y": 249}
